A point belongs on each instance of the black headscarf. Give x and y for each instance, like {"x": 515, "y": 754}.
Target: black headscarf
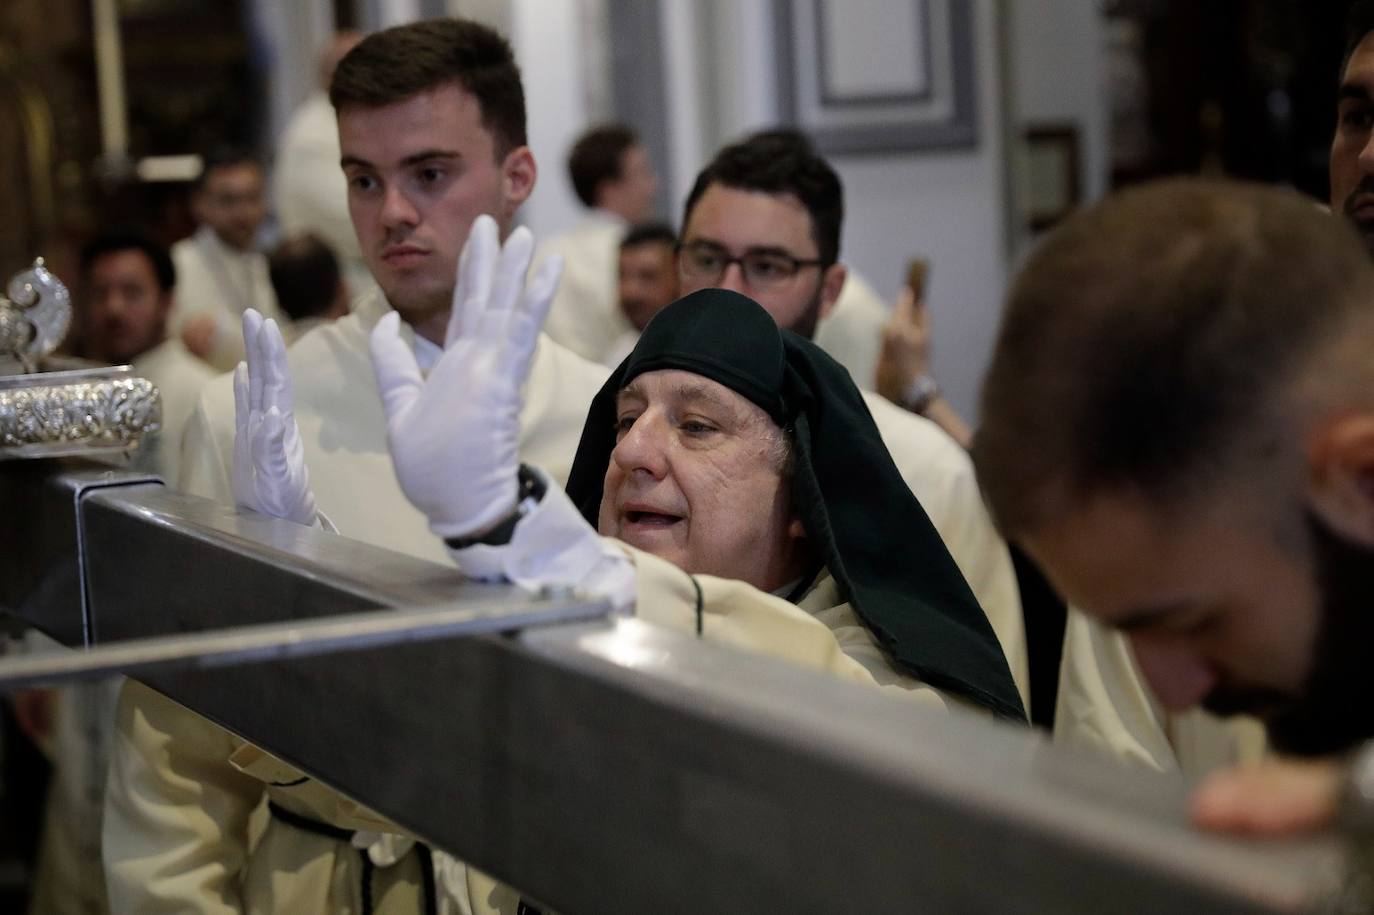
{"x": 859, "y": 513}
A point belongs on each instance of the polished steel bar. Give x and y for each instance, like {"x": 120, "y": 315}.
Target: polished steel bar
{"x": 617, "y": 767}
{"x": 295, "y": 639}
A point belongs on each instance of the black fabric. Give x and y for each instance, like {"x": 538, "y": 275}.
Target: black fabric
{"x": 866, "y": 525}
{"x": 1046, "y": 615}
{"x": 339, "y": 834}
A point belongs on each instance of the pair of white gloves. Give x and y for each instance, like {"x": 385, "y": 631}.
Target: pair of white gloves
{"x": 453, "y": 436}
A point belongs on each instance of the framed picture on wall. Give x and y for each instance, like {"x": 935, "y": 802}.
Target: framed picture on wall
{"x": 878, "y": 75}
{"x": 1052, "y": 174}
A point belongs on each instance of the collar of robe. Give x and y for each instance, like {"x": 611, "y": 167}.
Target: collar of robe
{"x": 863, "y": 519}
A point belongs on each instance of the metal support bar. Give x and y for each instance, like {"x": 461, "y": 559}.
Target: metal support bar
{"x": 280, "y": 641}
{"x": 616, "y": 767}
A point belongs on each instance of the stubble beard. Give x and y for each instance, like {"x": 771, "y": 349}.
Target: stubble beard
{"x": 1330, "y": 713}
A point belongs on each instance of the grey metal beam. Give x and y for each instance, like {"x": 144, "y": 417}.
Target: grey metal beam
{"x": 618, "y": 767}
{"x": 294, "y": 639}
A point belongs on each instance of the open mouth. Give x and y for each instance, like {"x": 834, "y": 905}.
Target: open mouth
{"x": 651, "y": 519}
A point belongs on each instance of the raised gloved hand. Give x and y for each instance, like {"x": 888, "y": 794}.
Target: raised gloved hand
{"x": 454, "y": 436}
{"x": 269, "y": 474}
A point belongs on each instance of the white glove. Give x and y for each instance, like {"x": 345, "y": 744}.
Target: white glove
{"x": 453, "y": 437}
{"x": 269, "y": 473}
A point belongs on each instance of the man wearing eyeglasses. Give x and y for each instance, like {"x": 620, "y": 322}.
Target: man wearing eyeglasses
{"x": 763, "y": 219}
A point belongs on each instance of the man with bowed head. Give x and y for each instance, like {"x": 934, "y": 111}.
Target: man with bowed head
{"x": 1192, "y": 361}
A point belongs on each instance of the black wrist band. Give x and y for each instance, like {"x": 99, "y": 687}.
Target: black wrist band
{"x": 528, "y": 495}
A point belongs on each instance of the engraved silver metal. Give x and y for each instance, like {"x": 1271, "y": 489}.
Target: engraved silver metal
{"x": 16, "y": 332}
{"x": 46, "y": 305}
{"x": 92, "y": 412}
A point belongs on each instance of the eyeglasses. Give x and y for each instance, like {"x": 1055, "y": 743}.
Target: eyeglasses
{"x": 703, "y": 262}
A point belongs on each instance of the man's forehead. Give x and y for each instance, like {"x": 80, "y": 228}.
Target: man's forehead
{"x": 1358, "y": 77}
{"x": 445, "y": 112}
{"x": 766, "y": 219}
{"x": 121, "y": 263}
{"x": 234, "y": 173}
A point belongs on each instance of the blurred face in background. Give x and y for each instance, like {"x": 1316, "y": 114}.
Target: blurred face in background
{"x": 233, "y": 202}
{"x": 126, "y": 313}
{"x": 1352, "y": 153}
{"x": 632, "y": 194}
{"x": 648, "y": 280}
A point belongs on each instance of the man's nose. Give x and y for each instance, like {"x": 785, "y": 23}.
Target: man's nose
{"x": 642, "y": 447}
{"x": 1177, "y": 673}
{"x": 733, "y": 278}
{"x": 397, "y": 209}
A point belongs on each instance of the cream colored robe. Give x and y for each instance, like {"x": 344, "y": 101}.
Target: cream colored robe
{"x": 1105, "y": 706}
{"x": 214, "y": 279}
{"x": 182, "y": 790}
{"x": 179, "y": 377}
{"x": 178, "y": 819}
{"x": 852, "y": 332}
{"x": 180, "y": 813}
{"x": 585, "y": 315}
{"x": 940, "y": 473}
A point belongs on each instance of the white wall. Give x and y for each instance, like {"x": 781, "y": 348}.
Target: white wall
{"x": 546, "y": 37}
{"x": 947, "y": 206}
{"x": 294, "y": 34}
{"x": 1059, "y": 75}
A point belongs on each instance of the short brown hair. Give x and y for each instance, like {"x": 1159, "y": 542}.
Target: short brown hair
{"x": 1147, "y": 344}
{"x": 598, "y": 157}
{"x": 395, "y": 64}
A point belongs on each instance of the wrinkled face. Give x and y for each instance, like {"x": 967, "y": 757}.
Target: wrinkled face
{"x": 126, "y": 310}
{"x": 419, "y": 172}
{"x": 696, "y": 478}
{"x": 1221, "y": 607}
{"x": 648, "y": 281}
{"x": 1352, "y": 154}
{"x": 233, "y": 202}
{"x": 740, "y": 222}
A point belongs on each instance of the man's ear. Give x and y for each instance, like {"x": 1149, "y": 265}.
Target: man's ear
{"x": 518, "y": 174}
{"x": 796, "y": 530}
{"x": 1341, "y": 475}
{"x": 832, "y": 282}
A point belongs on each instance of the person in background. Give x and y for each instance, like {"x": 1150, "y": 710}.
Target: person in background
{"x": 309, "y": 286}
{"x": 431, "y": 120}
{"x": 764, "y": 219}
{"x": 222, "y": 272}
{"x": 128, "y": 283}
{"x": 613, "y": 177}
{"x": 309, "y": 191}
{"x": 647, "y": 281}
{"x": 130, "y": 289}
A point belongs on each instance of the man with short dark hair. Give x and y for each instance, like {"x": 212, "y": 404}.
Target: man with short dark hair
{"x": 763, "y": 219}
{"x": 222, "y": 273}
{"x": 431, "y": 120}
{"x": 309, "y": 285}
{"x": 309, "y": 191}
{"x": 127, "y": 285}
{"x": 612, "y": 176}
{"x": 610, "y": 170}
{"x": 647, "y": 281}
{"x": 129, "y": 282}
{"x": 1133, "y": 725}
{"x": 1352, "y": 157}
{"x": 1191, "y": 363}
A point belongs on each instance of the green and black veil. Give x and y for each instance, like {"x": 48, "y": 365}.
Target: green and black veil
{"x": 860, "y": 515}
